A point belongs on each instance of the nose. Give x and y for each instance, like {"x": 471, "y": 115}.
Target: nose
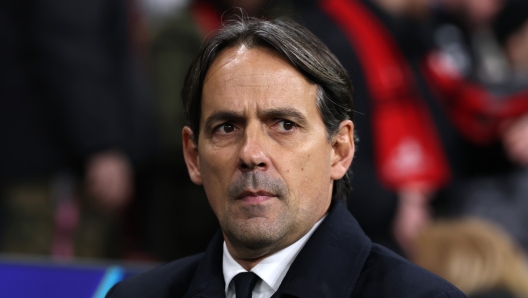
{"x": 252, "y": 155}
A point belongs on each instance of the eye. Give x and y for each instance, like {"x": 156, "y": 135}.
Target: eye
{"x": 286, "y": 125}
{"x": 225, "y": 128}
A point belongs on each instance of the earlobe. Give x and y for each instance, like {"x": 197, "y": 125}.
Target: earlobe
{"x": 190, "y": 153}
{"x": 342, "y": 149}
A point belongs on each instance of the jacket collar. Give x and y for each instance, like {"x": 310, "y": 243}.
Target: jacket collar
{"x": 208, "y": 280}
{"x": 331, "y": 261}
{"x": 328, "y": 265}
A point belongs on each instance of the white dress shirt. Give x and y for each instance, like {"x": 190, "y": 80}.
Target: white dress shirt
{"x": 271, "y": 270}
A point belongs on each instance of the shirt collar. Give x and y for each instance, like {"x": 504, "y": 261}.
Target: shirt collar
{"x": 273, "y": 268}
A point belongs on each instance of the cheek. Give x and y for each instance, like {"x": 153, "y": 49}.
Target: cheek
{"x": 216, "y": 167}
{"x": 307, "y": 171}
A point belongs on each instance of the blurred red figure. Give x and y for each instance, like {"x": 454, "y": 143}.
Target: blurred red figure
{"x": 420, "y": 111}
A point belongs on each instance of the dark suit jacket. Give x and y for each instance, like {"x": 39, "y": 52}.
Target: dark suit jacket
{"x": 339, "y": 260}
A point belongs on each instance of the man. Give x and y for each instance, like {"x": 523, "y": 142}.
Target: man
{"x": 270, "y": 137}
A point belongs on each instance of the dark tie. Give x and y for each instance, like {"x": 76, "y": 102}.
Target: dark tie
{"x": 244, "y": 284}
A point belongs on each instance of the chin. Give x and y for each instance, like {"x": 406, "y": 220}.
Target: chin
{"x": 257, "y": 233}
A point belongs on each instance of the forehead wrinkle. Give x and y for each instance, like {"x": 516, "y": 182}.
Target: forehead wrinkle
{"x": 234, "y": 71}
{"x": 269, "y": 92}
{"x": 287, "y": 73}
{"x": 271, "y": 96}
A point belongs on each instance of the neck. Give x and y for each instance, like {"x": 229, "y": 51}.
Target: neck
{"x": 246, "y": 262}
{"x": 249, "y": 257}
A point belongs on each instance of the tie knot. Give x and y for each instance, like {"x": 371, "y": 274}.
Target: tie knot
{"x": 244, "y": 284}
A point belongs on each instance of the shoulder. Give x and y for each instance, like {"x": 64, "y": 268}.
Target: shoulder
{"x": 386, "y": 274}
{"x": 169, "y": 280}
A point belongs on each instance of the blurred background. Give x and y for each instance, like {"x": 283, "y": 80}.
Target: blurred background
{"x": 91, "y": 164}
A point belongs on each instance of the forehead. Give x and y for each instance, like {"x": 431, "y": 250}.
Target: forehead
{"x": 244, "y": 78}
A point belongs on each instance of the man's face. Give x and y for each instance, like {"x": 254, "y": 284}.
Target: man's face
{"x": 263, "y": 155}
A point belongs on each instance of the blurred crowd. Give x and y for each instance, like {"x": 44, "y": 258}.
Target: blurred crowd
{"x": 91, "y": 163}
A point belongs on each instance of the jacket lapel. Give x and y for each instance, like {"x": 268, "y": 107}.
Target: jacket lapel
{"x": 331, "y": 261}
{"x": 328, "y": 265}
{"x": 208, "y": 280}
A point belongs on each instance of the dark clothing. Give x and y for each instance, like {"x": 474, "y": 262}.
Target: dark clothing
{"x": 70, "y": 87}
{"x": 338, "y": 260}
{"x": 449, "y": 35}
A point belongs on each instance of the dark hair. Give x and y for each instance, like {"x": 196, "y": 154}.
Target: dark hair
{"x": 302, "y": 49}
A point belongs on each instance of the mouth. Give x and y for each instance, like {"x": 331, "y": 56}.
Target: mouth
{"x": 255, "y": 197}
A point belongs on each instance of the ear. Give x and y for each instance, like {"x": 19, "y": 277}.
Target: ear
{"x": 190, "y": 153}
{"x": 342, "y": 149}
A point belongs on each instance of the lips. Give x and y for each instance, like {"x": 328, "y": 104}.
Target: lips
{"x": 255, "y": 197}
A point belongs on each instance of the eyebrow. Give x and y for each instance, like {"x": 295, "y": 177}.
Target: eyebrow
{"x": 289, "y": 113}
{"x": 279, "y": 113}
{"x": 221, "y": 116}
